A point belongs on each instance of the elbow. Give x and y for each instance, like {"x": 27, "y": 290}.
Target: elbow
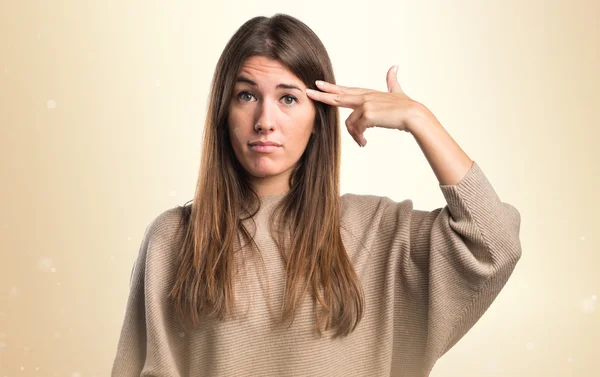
{"x": 509, "y": 249}
{"x": 512, "y": 253}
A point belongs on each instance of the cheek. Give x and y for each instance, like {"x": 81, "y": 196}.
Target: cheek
{"x": 236, "y": 132}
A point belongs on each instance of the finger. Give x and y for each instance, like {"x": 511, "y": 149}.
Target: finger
{"x": 335, "y": 88}
{"x": 343, "y": 100}
{"x": 392, "y": 80}
{"x": 321, "y": 96}
{"x": 352, "y": 124}
{"x": 349, "y": 100}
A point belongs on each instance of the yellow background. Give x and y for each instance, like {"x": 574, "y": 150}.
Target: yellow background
{"x": 101, "y": 113}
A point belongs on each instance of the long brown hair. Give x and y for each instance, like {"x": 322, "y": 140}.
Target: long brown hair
{"x": 306, "y": 220}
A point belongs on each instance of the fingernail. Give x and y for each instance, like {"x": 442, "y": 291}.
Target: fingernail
{"x": 319, "y": 82}
{"x": 309, "y": 90}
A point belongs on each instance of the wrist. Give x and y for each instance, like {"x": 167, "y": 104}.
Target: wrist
{"x": 420, "y": 119}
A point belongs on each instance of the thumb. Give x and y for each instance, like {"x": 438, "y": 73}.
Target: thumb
{"x": 392, "y": 80}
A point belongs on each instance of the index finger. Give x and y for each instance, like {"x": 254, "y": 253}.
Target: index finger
{"x": 335, "y": 88}
{"x": 335, "y": 99}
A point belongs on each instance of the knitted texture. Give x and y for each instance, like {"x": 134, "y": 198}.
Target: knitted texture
{"x": 427, "y": 276}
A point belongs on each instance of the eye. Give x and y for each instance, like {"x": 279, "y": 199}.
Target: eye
{"x": 244, "y": 93}
{"x": 291, "y": 97}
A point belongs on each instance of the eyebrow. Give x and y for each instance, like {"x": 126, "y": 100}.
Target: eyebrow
{"x": 282, "y": 86}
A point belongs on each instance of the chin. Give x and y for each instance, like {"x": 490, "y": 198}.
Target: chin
{"x": 265, "y": 173}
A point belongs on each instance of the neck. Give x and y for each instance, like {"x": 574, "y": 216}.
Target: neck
{"x": 275, "y": 185}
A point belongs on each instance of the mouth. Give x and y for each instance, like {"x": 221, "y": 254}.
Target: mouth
{"x": 264, "y": 143}
{"x": 264, "y": 148}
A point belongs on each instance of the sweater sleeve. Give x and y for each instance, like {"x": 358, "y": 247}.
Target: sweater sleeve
{"x": 451, "y": 263}
{"x": 471, "y": 246}
{"x": 150, "y": 343}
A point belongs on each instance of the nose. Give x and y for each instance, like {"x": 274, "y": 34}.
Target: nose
{"x": 266, "y": 118}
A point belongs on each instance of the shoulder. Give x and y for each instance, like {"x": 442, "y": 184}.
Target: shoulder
{"x": 161, "y": 240}
{"x": 372, "y": 214}
{"x": 165, "y": 224}
{"x": 357, "y": 206}
{"x": 371, "y": 222}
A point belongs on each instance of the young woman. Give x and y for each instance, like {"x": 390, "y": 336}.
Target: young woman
{"x": 270, "y": 272}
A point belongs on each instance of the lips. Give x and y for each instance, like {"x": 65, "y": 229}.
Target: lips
{"x": 264, "y": 143}
{"x": 263, "y": 147}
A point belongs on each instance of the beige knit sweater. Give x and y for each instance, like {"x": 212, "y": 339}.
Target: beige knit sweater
{"x": 427, "y": 278}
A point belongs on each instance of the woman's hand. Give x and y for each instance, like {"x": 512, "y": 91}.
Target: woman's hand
{"x": 372, "y": 108}
{"x": 397, "y": 111}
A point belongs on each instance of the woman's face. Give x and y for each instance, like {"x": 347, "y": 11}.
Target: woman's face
{"x": 269, "y": 105}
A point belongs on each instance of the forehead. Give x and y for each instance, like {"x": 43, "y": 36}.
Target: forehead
{"x": 261, "y": 68}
